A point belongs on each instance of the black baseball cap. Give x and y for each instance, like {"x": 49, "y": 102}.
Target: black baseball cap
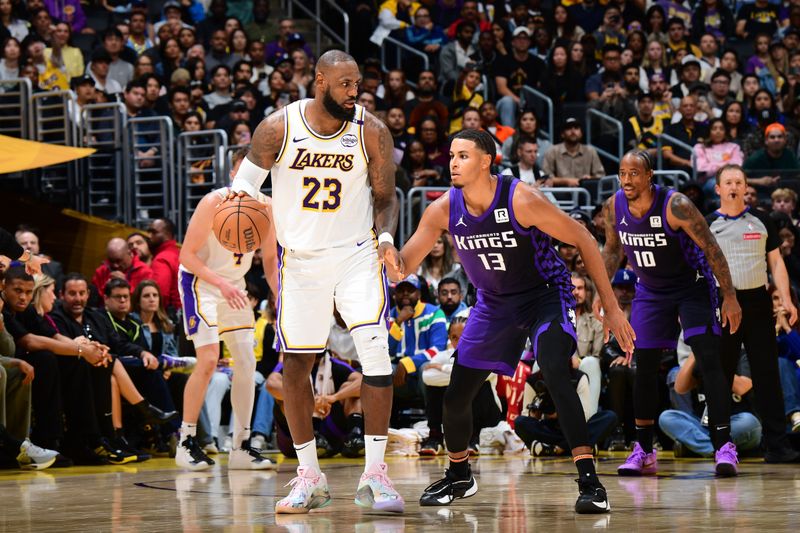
{"x": 77, "y": 81}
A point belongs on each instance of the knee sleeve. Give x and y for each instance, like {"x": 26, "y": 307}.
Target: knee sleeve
{"x": 372, "y": 346}
{"x": 240, "y": 344}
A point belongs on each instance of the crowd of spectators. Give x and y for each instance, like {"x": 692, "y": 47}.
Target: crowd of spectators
{"x": 697, "y": 84}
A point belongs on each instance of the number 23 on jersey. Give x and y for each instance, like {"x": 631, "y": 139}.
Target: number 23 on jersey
{"x": 314, "y": 201}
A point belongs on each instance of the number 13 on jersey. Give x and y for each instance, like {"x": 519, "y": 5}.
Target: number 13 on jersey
{"x": 329, "y": 204}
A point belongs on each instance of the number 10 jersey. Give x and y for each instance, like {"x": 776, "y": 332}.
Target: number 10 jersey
{"x": 320, "y": 187}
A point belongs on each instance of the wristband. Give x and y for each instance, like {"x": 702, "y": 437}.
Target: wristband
{"x": 385, "y": 237}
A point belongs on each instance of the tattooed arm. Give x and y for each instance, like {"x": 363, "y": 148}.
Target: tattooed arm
{"x": 683, "y": 215}
{"x": 266, "y": 143}
{"x": 381, "y": 168}
{"x": 612, "y": 251}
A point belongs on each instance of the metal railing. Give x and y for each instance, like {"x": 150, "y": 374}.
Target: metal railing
{"x": 51, "y": 123}
{"x": 680, "y": 144}
{"x": 201, "y": 169}
{"x": 14, "y": 110}
{"x": 418, "y": 204}
{"x": 607, "y": 186}
{"x": 603, "y": 117}
{"x": 321, "y": 25}
{"x": 400, "y": 47}
{"x": 152, "y": 169}
{"x": 104, "y": 127}
{"x": 401, "y": 216}
{"x": 538, "y": 97}
{"x": 569, "y": 198}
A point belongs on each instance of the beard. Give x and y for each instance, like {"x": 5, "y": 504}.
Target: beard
{"x": 335, "y": 110}
{"x": 448, "y": 308}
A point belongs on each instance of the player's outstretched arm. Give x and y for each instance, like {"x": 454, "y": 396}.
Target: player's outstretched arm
{"x": 381, "y": 169}
{"x": 612, "y": 251}
{"x": 531, "y": 208}
{"x": 269, "y": 251}
{"x": 200, "y": 227}
{"x": 430, "y": 228}
{"x": 264, "y": 148}
{"x": 683, "y": 214}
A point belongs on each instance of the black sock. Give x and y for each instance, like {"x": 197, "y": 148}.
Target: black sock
{"x": 460, "y": 468}
{"x": 720, "y": 435}
{"x": 644, "y": 435}
{"x": 355, "y": 421}
{"x": 586, "y": 471}
{"x": 119, "y": 433}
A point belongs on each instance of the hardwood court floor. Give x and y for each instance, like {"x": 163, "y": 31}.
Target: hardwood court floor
{"x": 517, "y": 494}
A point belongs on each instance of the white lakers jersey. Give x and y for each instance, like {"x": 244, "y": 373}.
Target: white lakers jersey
{"x": 320, "y": 187}
{"x": 231, "y": 266}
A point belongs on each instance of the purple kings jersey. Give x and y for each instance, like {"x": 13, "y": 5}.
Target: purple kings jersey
{"x": 661, "y": 257}
{"x": 501, "y": 257}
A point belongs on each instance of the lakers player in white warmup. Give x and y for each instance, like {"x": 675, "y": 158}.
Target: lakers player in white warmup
{"x": 332, "y": 182}
{"x": 211, "y": 285}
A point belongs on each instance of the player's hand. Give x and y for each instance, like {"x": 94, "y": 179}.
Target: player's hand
{"x": 236, "y": 297}
{"x": 732, "y": 314}
{"x": 149, "y": 360}
{"x": 391, "y": 259}
{"x": 400, "y": 375}
{"x": 615, "y": 322}
{"x": 34, "y": 264}
{"x": 791, "y": 311}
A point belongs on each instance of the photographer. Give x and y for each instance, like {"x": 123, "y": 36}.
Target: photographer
{"x": 541, "y": 430}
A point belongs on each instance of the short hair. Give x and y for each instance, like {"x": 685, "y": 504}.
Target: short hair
{"x": 612, "y": 48}
{"x": 719, "y": 73}
{"x": 16, "y": 272}
{"x": 526, "y": 139}
{"x": 179, "y": 89}
{"x": 676, "y": 20}
{"x": 112, "y": 32}
{"x": 450, "y": 281}
{"x": 170, "y": 225}
{"x": 144, "y": 78}
{"x": 482, "y": 140}
{"x": 241, "y": 62}
{"x": 220, "y": 66}
{"x": 784, "y": 194}
{"x": 116, "y": 283}
{"x": 732, "y": 167}
{"x": 134, "y": 84}
{"x": 75, "y": 276}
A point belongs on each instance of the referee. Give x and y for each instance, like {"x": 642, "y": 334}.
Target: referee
{"x": 750, "y": 243}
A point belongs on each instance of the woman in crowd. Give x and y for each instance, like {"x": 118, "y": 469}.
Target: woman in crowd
{"x": 169, "y": 58}
{"x": 714, "y": 152}
{"x": 655, "y": 24}
{"x": 10, "y": 61}
{"x": 144, "y": 65}
{"x": 433, "y": 140}
{"x": 17, "y": 27}
{"x": 636, "y": 42}
{"x": 562, "y": 83}
{"x": 654, "y": 62}
{"x": 419, "y": 168}
{"x": 237, "y": 45}
{"x": 465, "y": 94}
{"x": 579, "y": 61}
{"x": 527, "y": 127}
{"x": 303, "y": 71}
{"x": 734, "y": 116}
{"x": 563, "y": 25}
{"x": 439, "y": 263}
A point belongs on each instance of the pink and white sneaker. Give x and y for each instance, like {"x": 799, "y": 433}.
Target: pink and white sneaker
{"x": 375, "y": 491}
{"x": 639, "y": 463}
{"x": 309, "y": 491}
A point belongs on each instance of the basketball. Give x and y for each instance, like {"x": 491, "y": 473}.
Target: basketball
{"x": 240, "y": 224}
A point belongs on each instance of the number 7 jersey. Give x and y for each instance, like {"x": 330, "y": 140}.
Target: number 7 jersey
{"x": 320, "y": 186}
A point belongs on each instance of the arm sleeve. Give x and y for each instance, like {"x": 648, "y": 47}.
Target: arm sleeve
{"x": 9, "y": 246}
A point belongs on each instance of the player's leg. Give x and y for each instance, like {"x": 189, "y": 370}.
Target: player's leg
{"x": 362, "y": 300}
{"x": 458, "y": 481}
{"x": 643, "y": 459}
{"x": 240, "y": 342}
{"x": 553, "y": 347}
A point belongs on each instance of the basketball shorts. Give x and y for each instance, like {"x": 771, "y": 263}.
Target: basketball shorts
{"x": 206, "y": 314}
{"x": 310, "y": 283}
{"x": 498, "y": 327}
{"x": 657, "y": 317}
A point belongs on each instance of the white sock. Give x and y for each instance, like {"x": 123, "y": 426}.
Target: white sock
{"x": 307, "y": 454}
{"x": 375, "y": 447}
{"x": 188, "y": 430}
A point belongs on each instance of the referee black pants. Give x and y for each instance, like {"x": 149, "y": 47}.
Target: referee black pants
{"x": 757, "y": 333}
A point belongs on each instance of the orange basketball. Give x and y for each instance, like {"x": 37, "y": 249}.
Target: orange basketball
{"x": 240, "y": 224}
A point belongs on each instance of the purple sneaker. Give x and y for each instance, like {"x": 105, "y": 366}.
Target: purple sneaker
{"x": 639, "y": 463}
{"x": 726, "y": 460}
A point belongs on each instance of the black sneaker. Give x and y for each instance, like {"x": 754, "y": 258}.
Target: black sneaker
{"x": 450, "y": 488}
{"x": 592, "y": 498}
{"x": 121, "y": 443}
{"x": 354, "y": 443}
{"x": 616, "y": 443}
{"x": 324, "y": 448}
{"x": 114, "y": 455}
{"x": 62, "y": 461}
{"x": 431, "y": 446}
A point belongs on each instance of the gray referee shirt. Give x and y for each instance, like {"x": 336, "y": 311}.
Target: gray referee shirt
{"x": 745, "y": 240}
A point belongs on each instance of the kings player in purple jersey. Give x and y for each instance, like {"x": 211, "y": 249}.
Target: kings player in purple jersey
{"x": 672, "y": 251}
{"x": 502, "y": 229}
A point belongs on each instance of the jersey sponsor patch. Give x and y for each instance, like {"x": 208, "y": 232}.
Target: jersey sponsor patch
{"x": 501, "y": 215}
{"x": 349, "y": 140}
{"x": 655, "y": 222}
{"x": 752, "y": 236}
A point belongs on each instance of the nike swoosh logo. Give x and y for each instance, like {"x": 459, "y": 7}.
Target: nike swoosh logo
{"x": 295, "y": 139}
{"x": 362, "y": 242}
{"x": 380, "y": 440}
{"x": 718, "y": 231}
{"x": 304, "y": 447}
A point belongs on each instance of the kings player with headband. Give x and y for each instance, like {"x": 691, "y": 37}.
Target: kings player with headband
{"x": 332, "y": 183}
{"x": 502, "y": 229}
{"x": 675, "y": 257}
{"x": 211, "y": 285}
